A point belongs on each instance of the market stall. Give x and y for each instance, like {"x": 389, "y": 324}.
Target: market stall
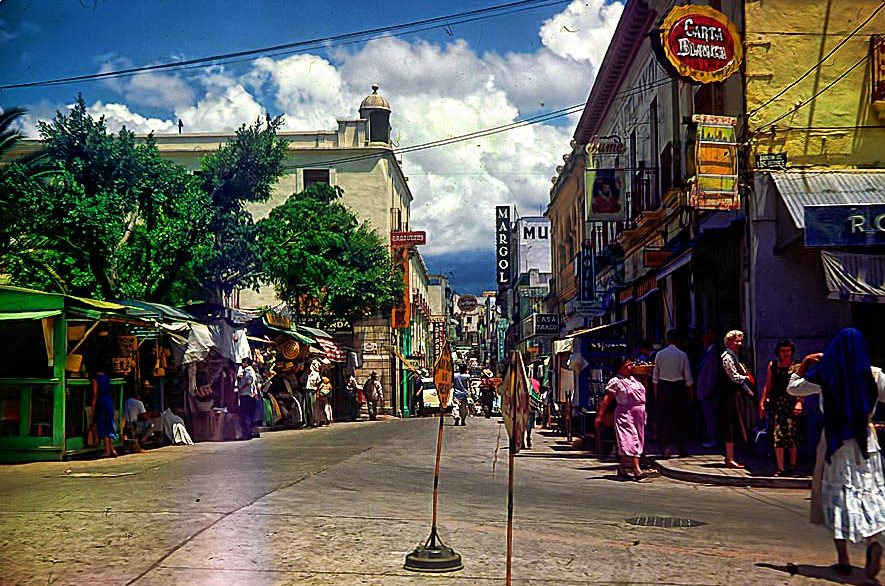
{"x": 52, "y": 343}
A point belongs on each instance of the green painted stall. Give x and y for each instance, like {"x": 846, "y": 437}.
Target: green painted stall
{"x": 42, "y": 406}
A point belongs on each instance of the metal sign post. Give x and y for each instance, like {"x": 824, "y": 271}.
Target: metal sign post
{"x": 435, "y": 556}
{"x": 515, "y": 409}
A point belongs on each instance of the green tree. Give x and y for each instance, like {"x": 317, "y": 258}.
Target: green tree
{"x": 117, "y": 220}
{"x": 241, "y": 172}
{"x": 323, "y": 262}
{"x": 21, "y": 181}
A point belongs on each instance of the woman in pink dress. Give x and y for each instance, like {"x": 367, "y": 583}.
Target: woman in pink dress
{"x": 629, "y": 394}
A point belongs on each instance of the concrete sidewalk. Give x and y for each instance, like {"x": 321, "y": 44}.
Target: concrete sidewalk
{"x": 710, "y": 469}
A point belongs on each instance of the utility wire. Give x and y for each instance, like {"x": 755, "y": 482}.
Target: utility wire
{"x": 545, "y": 117}
{"x": 769, "y": 125}
{"x": 819, "y": 63}
{"x": 402, "y": 28}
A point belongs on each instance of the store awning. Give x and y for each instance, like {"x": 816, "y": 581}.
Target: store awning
{"x": 20, "y": 315}
{"x": 597, "y": 329}
{"x": 156, "y": 310}
{"x": 332, "y": 350}
{"x": 804, "y": 188}
{"x": 855, "y": 277}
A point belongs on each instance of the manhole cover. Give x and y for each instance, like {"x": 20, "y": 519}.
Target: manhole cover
{"x": 664, "y": 522}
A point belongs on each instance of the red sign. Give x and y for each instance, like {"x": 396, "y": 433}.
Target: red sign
{"x": 700, "y": 43}
{"x": 467, "y": 303}
{"x": 408, "y": 238}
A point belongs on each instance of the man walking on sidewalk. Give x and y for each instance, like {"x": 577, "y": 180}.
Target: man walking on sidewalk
{"x": 460, "y": 386}
{"x": 673, "y": 387}
{"x": 374, "y": 394}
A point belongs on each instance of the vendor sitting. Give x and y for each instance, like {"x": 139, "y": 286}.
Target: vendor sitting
{"x": 139, "y": 422}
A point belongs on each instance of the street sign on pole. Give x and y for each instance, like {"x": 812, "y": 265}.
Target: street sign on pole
{"x": 515, "y": 409}
{"x": 435, "y": 556}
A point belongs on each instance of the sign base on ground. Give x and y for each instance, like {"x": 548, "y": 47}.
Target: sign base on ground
{"x": 433, "y": 557}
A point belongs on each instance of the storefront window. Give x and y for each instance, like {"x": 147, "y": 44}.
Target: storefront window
{"x": 10, "y": 410}
{"x": 42, "y": 401}
{"x": 75, "y": 401}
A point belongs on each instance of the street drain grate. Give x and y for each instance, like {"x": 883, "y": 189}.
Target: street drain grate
{"x": 667, "y": 522}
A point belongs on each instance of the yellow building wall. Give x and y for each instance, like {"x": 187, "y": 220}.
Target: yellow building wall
{"x": 786, "y": 38}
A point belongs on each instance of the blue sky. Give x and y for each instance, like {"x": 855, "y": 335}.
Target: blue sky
{"x": 441, "y": 82}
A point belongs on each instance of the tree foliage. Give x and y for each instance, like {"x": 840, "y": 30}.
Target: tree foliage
{"x": 323, "y": 262}
{"x": 113, "y": 218}
{"x": 243, "y": 171}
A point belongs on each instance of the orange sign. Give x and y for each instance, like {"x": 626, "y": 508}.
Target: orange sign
{"x": 444, "y": 375}
{"x": 401, "y": 316}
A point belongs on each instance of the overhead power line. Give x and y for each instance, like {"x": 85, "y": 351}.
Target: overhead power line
{"x": 530, "y": 121}
{"x": 286, "y": 48}
{"x": 821, "y": 62}
{"x": 804, "y": 103}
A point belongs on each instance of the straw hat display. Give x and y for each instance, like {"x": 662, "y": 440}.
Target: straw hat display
{"x": 290, "y": 349}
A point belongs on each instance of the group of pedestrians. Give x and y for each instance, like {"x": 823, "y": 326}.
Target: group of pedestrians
{"x": 848, "y": 486}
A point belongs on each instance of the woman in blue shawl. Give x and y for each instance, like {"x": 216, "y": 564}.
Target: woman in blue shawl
{"x": 849, "y": 466}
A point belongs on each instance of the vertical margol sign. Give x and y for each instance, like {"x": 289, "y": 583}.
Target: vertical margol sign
{"x": 502, "y": 245}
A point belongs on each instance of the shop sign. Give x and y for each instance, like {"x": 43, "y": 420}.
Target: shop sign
{"x": 654, "y": 257}
{"x": 604, "y": 195}
{"x": 700, "y": 43}
{"x": 587, "y": 273}
{"x": 502, "y": 245}
{"x": 845, "y": 225}
{"x": 877, "y": 56}
{"x": 408, "y": 238}
{"x": 502, "y": 337}
{"x": 546, "y": 324}
{"x": 444, "y": 374}
{"x": 715, "y": 185}
{"x": 401, "y": 314}
{"x": 467, "y": 303}
{"x": 771, "y": 161}
{"x": 589, "y": 308}
{"x": 533, "y": 292}
{"x": 439, "y": 338}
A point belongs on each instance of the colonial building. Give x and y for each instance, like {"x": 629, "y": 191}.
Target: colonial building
{"x": 694, "y": 169}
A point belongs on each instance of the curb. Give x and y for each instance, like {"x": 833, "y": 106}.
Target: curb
{"x": 666, "y": 468}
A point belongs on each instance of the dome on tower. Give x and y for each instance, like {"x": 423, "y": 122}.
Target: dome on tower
{"x": 374, "y": 101}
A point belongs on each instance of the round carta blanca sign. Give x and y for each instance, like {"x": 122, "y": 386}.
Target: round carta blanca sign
{"x": 701, "y": 43}
{"x": 444, "y": 375}
{"x": 467, "y": 303}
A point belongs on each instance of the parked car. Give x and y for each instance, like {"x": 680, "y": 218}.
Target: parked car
{"x": 429, "y": 398}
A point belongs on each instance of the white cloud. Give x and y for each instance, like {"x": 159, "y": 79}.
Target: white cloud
{"x": 119, "y": 115}
{"x": 436, "y": 91}
{"x": 154, "y": 89}
{"x": 583, "y": 30}
{"x": 226, "y": 106}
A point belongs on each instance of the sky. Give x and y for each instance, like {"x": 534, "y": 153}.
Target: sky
{"x": 446, "y": 80}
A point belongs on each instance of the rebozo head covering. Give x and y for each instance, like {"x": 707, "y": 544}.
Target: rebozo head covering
{"x": 849, "y": 391}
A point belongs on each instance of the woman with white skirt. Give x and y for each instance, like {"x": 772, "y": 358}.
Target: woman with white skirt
{"x": 849, "y": 488}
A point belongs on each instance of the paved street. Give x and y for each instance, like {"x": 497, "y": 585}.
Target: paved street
{"x": 343, "y": 505}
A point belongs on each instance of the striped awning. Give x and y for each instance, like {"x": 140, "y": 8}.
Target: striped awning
{"x": 332, "y": 350}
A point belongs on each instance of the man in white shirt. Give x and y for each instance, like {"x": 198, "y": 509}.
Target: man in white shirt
{"x": 247, "y": 389}
{"x": 674, "y": 386}
{"x": 138, "y": 421}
